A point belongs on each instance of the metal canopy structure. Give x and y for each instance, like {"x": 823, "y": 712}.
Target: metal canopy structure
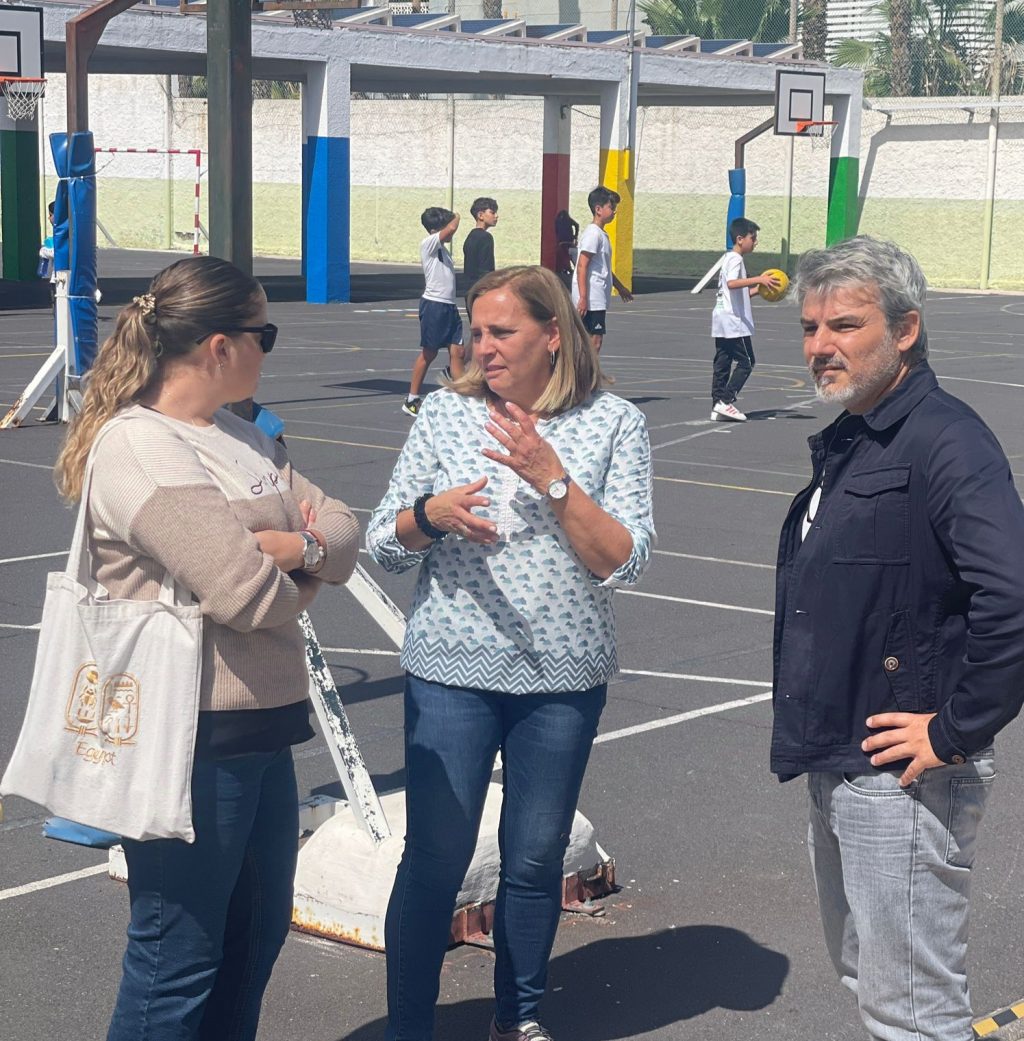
{"x": 371, "y": 50}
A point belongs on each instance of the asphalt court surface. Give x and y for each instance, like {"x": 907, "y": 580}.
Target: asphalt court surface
{"x": 715, "y": 931}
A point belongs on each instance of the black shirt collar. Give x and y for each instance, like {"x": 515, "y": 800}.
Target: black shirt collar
{"x": 899, "y": 403}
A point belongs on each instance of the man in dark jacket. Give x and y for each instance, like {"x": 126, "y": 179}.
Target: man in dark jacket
{"x": 899, "y": 641}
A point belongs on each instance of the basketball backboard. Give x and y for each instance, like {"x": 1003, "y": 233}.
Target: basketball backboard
{"x": 799, "y": 100}
{"x": 21, "y": 42}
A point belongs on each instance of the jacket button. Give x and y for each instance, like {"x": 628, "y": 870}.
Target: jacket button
{"x": 891, "y": 664}
{"x": 959, "y": 760}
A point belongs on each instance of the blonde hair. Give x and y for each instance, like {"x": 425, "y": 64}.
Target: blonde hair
{"x": 185, "y": 303}
{"x": 576, "y": 373}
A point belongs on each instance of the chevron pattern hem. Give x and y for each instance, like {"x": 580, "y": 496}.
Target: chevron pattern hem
{"x": 522, "y": 672}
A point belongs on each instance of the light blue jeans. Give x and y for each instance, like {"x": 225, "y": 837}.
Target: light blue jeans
{"x": 892, "y": 868}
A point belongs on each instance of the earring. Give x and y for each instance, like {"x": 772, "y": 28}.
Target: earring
{"x": 554, "y": 357}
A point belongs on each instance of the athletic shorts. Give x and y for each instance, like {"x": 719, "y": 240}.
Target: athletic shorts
{"x": 440, "y": 325}
{"x": 593, "y": 322}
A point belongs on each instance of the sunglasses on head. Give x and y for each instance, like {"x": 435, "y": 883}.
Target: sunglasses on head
{"x": 267, "y": 334}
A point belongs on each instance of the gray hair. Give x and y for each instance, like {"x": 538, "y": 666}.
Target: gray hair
{"x": 866, "y": 261}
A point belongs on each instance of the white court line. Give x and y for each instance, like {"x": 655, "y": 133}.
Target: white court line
{"x": 741, "y": 469}
{"x": 24, "y": 628}
{"x": 56, "y": 880}
{"x": 690, "y": 437}
{"x": 35, "y": 556}
{"x": 360, "y": 650}
{"x": 682, "y": 717}
{"x": 713, "y": 560}
{"x": 729, "y": 487}
{"x": 966, "y": 379}
{"x": 695, "y": 679}
{"x": 19, "y": 462}
{"x": 696, "y": 603}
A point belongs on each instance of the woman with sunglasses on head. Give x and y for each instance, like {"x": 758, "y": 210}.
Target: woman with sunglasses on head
{"x": 181, "y": 486}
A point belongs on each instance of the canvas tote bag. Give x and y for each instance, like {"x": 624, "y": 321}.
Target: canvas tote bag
{"x": 109, "y": 734}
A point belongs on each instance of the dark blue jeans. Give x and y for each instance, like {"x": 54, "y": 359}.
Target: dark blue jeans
{"x": 451, "y": 738}
{"x": 208, "y": 919}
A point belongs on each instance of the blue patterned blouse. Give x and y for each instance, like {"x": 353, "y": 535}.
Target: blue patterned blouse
{"x": 525, "y": 615}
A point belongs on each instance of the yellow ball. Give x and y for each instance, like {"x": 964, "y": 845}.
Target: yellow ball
{"x": 773, "y": 295}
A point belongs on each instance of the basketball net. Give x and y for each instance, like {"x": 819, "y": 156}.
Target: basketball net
{"x": 23, "y": 96}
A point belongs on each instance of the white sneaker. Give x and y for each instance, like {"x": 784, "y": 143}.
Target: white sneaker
{"x": 723, "y": 411}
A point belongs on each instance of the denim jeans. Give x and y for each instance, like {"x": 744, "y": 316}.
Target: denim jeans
{"x": 893, "y": 868}
{"x": 208, "y": 919}
{"x": 451, "y": 738}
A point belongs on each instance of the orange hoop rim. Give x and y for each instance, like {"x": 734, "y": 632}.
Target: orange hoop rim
{"x": 23, "y": 95}
{"x": 801, "y": 125}
{"x": 4, "y": 80}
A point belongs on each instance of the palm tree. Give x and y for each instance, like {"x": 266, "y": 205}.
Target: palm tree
{"x": 814, "y": 29}
{"x": 899, "y": 38}
{"x": 943, "y": 59}
{"x": 718, "y": 19}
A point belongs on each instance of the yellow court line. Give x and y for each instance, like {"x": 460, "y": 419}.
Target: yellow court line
{"x": 731, "y": 487}
{"x": 331, "y": 441}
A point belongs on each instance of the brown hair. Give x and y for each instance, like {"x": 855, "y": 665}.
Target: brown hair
{"x": 185, "y": 302}
{"x": 576, "y": 374}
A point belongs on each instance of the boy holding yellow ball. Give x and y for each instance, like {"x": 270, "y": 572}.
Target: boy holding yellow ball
{"x": 732, "y": 321}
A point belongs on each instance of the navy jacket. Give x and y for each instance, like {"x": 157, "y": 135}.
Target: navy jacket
{"x": 907, "y": 593}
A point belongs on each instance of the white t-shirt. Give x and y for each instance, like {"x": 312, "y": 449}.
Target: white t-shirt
{"x": 438, "y": 270}
{"x": 599, "y": 274}
{"x": 733, "y": 315}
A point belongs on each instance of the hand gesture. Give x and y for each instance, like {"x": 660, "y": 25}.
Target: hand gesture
{"x": 768, "y": 281}
{"x": 906, "y": 738}
{"x": 529, "y": 455}
{"x": 451, "y": 510}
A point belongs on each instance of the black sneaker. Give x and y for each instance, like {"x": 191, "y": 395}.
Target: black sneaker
{"x": 411, "y": 406}
{"x": 529, "y": 1031}
{"x": 446, "y": 372}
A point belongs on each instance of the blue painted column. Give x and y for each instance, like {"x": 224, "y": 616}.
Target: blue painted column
{"x": 326, "y": 183}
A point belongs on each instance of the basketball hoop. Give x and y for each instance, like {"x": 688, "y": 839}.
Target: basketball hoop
{"x": 803, "y": 125}
{"x": 23, "y": 95}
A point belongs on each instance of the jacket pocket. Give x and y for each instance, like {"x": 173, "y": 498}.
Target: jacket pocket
{"x": 899, "y": 664}
{"x": 873, "y": 517}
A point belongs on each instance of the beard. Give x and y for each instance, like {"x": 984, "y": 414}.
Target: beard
{"x": 877, "y": 371}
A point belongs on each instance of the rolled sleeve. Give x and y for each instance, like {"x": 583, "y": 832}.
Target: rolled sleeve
{"x": 414, "y": 475}
{"x": 628, "y": 497}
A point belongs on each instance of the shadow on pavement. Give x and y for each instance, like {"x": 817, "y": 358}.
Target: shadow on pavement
{"x": 778, "y": 413}
{"x": 626, "y": 987}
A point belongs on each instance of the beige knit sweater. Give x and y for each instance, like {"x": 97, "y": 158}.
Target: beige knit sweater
{"x": 170, "y": 496}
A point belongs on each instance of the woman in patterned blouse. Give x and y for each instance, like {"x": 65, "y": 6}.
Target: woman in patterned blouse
{"x": 524, "y": 492}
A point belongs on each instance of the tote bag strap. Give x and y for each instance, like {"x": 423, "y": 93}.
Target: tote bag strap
{"x": 79, "y": 566}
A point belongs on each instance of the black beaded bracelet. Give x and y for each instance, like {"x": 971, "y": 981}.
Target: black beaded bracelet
{"x": 419, "y": 515}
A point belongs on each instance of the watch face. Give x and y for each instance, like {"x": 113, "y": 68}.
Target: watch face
{"x": 558, "y": 489}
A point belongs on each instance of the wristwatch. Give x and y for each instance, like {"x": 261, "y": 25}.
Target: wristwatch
{"x": 559, "y": 487}
{"x": 312, "y": 553}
